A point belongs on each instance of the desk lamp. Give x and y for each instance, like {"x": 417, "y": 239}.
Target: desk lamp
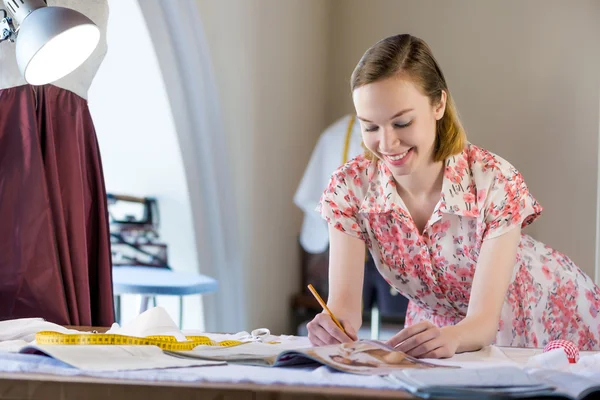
{"x": 51, "y": 42}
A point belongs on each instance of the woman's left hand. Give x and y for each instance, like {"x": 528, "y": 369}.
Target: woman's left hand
{"x": 425, "y": 340}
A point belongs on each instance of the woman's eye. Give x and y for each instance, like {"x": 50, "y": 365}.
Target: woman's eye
{"x": 402, "y": 125}
{"x": 370, "y": 129}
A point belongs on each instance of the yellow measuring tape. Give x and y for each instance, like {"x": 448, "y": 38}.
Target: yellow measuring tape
{"x": 164, "y": 342}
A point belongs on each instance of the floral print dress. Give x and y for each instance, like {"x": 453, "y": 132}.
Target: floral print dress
{"x": 483, "y": 196}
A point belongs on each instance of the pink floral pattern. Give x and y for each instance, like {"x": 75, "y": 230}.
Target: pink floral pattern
{"x": 482, "y": 197}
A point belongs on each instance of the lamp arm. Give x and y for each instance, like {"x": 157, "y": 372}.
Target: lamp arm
{"x": 7, "y": 28}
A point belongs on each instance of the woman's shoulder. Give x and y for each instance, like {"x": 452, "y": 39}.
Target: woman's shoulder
{"x": 355, "y": 173}
{"x": 486, "y": 166}
{"x": 501, "y": 191}
{"x": 496, "y": 181}
{"x": 345, "y": 193}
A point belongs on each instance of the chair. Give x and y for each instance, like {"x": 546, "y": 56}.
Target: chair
{"x": 140, "y": 264}
{"x": 150, "y": 282}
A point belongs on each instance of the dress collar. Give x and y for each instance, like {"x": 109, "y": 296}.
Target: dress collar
{"x": 459, "y": 194}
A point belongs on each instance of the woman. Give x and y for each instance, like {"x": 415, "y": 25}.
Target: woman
{"x": 442, "y": 218}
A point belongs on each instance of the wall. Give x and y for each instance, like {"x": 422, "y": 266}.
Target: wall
{"x": 269, "y": 59}
{"x": 598, "y": 206}
{"x": 138, "y": 142}
{"x": 525, "y": 76}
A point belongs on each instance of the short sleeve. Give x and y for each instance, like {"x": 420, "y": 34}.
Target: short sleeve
{"x": 339, "y": 206}
{"x": 509, "y": 204}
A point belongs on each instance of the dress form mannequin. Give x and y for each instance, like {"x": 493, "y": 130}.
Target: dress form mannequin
{"x": 55, "y": 260}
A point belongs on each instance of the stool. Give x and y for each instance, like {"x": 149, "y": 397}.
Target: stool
{"x": 150, "y": 282}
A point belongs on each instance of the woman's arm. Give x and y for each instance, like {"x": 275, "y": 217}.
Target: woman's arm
{"x": 346, "y": 276}
{"x": 497, "y": 258}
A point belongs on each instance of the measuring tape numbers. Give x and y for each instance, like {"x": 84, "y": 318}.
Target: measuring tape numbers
{"x": 164, "y": 342}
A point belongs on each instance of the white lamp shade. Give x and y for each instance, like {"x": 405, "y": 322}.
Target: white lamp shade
{"x": 53, "y": 42}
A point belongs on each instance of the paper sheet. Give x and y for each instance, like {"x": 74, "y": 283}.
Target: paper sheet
{"x": 25, "y": 329}
{"x": 12, "y": 346}
{"x": 571, "y": 384}
{"x": 245, "y": 351}
{"x": 489, "y": 356}
{"x": 480, "y": 383}
{"x": 155, "y": 321}
{"x": 115, "y": 358}
{"x": 491, "y": 377}
{"x": 588, "y": 365}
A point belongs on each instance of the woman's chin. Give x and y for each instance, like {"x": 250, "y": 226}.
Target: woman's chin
{"x": 398, "y": 171}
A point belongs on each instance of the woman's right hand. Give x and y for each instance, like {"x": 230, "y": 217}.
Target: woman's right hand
{"x": 323, "y": 331}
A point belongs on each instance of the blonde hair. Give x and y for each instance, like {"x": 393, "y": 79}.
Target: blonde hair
{"x": 409, "y": 55}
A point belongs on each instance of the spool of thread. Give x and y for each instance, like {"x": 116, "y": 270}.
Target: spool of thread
{"x": 568, "y": 347}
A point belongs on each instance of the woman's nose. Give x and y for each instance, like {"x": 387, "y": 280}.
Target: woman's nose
{"x": 389, "y": 140}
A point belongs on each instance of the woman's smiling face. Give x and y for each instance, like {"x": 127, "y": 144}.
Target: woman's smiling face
{"x": 398, "y": 123}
